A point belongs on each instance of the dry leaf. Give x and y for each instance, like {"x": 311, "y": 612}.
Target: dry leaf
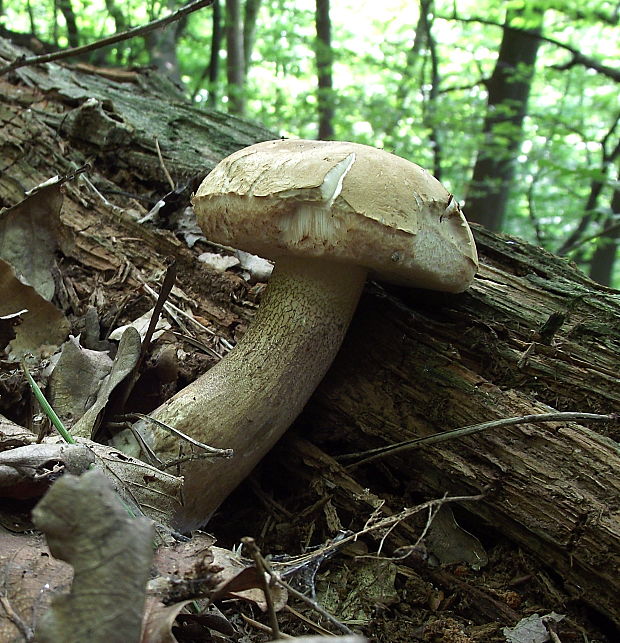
{"x": 76, "y": 379}
{"x": 141, "y": 325}
{"x": 43, "y": 326}
{"x": 87, "y": 526}
{"x": 241, "y": 580}
{"x": 29, "y": 238}
{"x": 13, "y": 435}
{"x": 143, "y": 488}
{"x": 531, "y": 629}
{"x": 26, "y": 472}
{"x": 29, "y": 576}
{"x": 450, "y": 543}
{"x": 125, "y": 360}
{"x": 158, "y": 621}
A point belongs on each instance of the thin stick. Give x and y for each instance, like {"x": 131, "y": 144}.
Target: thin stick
{"x": 416, "y": 443}
{"x": 313, "y": 604}
{"x": 132, "y": 379}
{"x": 22, "y": 61}
{"x": 261, "y": 569}
{"x": 263, "y": 628}
{"x": 13, "y": 616}
{"x": 163, "y": 166}
{"x": 213, "y": 451}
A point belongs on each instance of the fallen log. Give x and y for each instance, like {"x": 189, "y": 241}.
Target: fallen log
{"x": 532, "y": 335}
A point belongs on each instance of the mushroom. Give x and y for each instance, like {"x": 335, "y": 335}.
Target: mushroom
{"x": 329, "y": 214}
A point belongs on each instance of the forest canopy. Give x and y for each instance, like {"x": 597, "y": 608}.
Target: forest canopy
{"x": 513, "y": 105}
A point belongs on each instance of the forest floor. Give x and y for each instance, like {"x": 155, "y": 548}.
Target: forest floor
{"x": 390, "y": 594}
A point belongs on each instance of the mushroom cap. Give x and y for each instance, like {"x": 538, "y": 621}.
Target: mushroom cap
{"x": 346, "y": 201}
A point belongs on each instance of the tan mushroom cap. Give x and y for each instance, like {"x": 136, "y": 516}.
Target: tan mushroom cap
{"x": 350, "y": 202}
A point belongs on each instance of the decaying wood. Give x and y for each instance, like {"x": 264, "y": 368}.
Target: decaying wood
{"x": 414, "y": 364}
{"x": 531, "y": 335}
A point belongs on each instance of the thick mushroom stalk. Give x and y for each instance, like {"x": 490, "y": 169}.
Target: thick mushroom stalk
{"x": 248, "y": 400}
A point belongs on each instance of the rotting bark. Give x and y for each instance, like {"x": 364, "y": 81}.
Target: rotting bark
{"x": 531, "y": 334}
{"x": 414, "y": 364}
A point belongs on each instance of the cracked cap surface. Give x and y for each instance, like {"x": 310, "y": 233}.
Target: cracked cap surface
{"x": 346, "y": 201}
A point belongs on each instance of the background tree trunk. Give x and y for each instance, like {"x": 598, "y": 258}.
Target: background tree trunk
{"x": 235, "y": 72}
{"x": 606, "y": 253}
{"x": 508, "y": 89}
{"x": 250, "y": 17}
{"x": 162, "y": 46}
{"x": 324, "y": 62}
{"x": 214, "y": 57}
{"x": 68, "y": 14}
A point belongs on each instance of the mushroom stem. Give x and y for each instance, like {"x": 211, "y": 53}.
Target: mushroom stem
{"x": 249, "y": 399}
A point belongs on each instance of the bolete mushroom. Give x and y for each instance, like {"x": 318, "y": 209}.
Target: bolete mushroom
{"x": 328, "y": 214}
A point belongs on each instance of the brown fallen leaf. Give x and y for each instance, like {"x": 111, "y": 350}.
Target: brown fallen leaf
{"x": 28, "y": 471}
{"x": 13, "y": 435}
{"x": 29, "y": 237}
{"x": 76, "y": 379}
{"x": 125, "y": 360}
{"x": 30, "y": 577}
{"x": 43, "y": 326}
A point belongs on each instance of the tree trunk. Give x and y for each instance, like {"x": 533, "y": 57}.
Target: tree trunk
{"x": 234, "y": 57}
{"x": 531, "y": 335}
{"x": 324, "y": 62}
{"x": 508, "y": 89}
{"x": 73, "y": 35}
{"x": 606, "y": 254}
{"x": 250, "y": 16}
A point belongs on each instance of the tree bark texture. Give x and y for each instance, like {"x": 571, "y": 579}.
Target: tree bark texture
{"x": 532, "y": 334}
{"x": 508, "y": 89}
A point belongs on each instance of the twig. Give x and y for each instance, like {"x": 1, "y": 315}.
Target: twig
{"x": 213, "y": 451}
{"x": 313, "y": 604}
{"x": 163, "y": 166}
{"x": 298, "y": 562}
{"x": 261, "y": 569}
{"x": 384, "y": 523}
{"x": 416, "y": 443}
{"x": 315, "y": 626}
{"x": 22, "y": 61}
{"x": 263, "y": 628}
{"x": 131, "y": 380}
{"x": 170, "y": 307}
{"x": 13, "y": 616}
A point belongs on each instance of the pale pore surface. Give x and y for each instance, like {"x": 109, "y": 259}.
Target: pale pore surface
{"x": 249, "y": 399}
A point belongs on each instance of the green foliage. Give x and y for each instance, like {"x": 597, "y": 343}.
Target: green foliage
{"x": 386, "y": 93}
